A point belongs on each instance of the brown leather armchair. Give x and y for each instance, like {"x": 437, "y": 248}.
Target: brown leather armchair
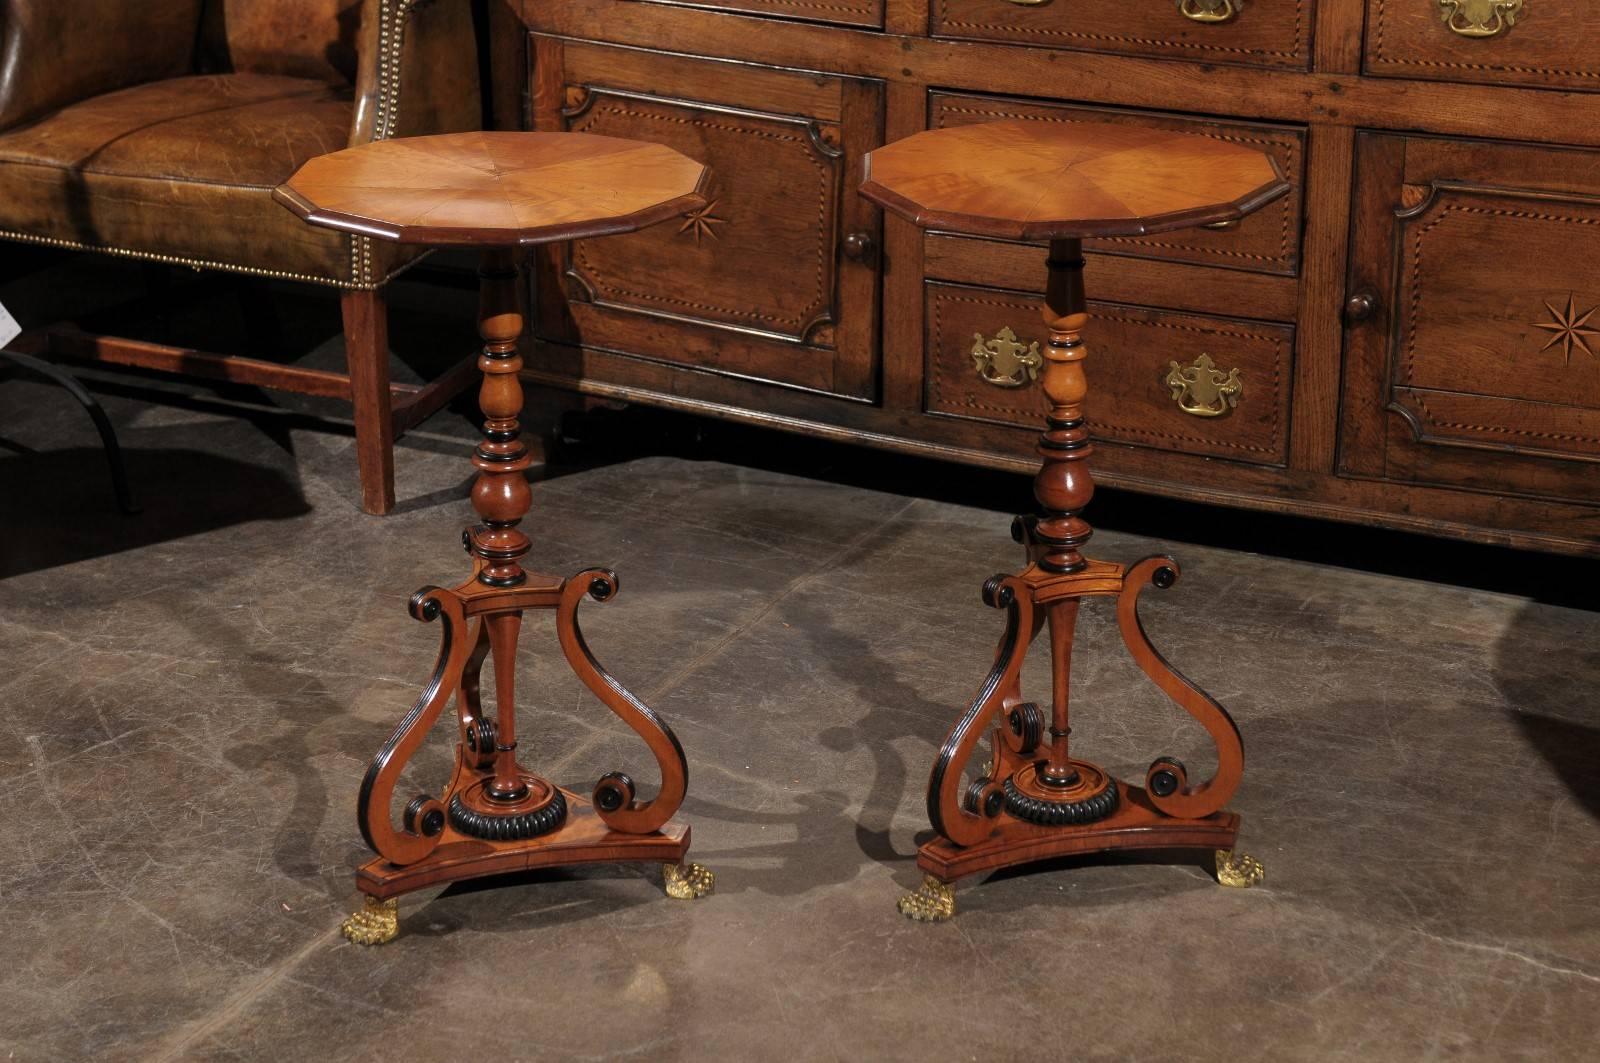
{"x": 157, "y": 129}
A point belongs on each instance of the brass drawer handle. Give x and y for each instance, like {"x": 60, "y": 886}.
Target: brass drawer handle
{"x": 1003, "y": 361}
{"x": 1030, "y": 3}
{"x": 1203, "y": 390}
{"x": 1480, "y": 18}
{"x": 1206, "y": 10}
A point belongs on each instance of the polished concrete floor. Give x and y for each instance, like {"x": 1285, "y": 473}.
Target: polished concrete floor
{"x": 191, "y": 696}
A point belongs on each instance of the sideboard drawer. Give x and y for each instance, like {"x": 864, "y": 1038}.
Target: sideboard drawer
{"x": 1480, "y": 364}
{"x": 1543, "y": 43}
{"x": 1267, "y": 241}
{"x": 867, "y": 13}
{"x": 1269, "y": 33}
{"x": 777, "y": 278}
{"x": 1135, "y": 357}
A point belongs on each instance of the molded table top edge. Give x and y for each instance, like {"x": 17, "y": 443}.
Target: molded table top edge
{"x": 493, "y": 237}
{"x": 1007, "y": 229}
{"x": 495, "y": 188}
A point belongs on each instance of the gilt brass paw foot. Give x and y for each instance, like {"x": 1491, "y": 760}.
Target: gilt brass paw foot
{"x": 376, "y": 922}
{"x": 685, "y": 882}
{"x": 1239, "y": 870}
{"x": 933, "y": 902}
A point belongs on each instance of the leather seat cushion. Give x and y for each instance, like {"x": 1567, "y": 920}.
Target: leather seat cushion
{"x": 183, "y": 167}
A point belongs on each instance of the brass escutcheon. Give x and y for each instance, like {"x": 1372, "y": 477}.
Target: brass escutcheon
{"x": 1004, "y": 361}
{"x": 1480, "y": 18}
{"x": 1203, "y": 390}
{"x": 1208, "y": 10}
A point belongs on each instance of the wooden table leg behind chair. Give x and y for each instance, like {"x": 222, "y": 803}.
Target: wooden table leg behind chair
{"x": 366, "y": 346}
{"x": 1035, "y": 801}
{"x": 494, "y": 815}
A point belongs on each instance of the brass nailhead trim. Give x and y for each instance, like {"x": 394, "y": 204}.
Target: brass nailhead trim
{"x": 200, "y": 263}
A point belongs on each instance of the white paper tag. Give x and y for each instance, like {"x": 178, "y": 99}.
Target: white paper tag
{"x": 9, "y": 329}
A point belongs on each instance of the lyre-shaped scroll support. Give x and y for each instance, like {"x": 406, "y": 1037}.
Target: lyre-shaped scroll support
{"x": 1034, "y": 799}
{"x": 970, "y": 815}
{"x": 1167, "y": 780}
{"x": 424, "y": 816}
{"x": 946, "y": 806}
{"x": 614, "y": 798}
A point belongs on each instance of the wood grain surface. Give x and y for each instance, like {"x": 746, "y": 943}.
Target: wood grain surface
{"x": 495, "y": 188}
{"x": 1027, "y": 181}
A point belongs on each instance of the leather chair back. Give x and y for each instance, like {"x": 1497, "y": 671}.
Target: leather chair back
{"x": 56, "y": 52}
{"x": 296, "y": 38}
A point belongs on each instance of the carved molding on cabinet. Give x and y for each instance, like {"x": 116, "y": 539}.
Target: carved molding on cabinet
{"x": 1477, "y": 422}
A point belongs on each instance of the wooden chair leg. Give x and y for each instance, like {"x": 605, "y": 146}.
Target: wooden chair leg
{"x": 366, "y": 345}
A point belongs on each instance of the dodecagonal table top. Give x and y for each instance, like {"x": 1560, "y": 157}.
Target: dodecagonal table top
{"x": 1026, "y": 180}
{"x": 495, "y": 188}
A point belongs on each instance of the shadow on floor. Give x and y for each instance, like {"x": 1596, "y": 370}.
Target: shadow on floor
{"x": 1551, "y": 698}
{"x": 59, "y": 508}
{"x": 604, "y": 435}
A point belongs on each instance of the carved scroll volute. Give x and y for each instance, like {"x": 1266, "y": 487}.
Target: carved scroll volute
{"x": 945, "y": 800}
{"x": 575, "y": 99}
{"x": 614, "y": 799}
{"x": 1167, "y": 782}
{"x": 424, "y": 816}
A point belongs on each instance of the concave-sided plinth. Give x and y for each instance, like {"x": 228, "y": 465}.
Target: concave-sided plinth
{"x": 1034, "y": 800}
{"x": 496, "y": 192}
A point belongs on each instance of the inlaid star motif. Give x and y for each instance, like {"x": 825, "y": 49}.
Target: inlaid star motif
{"x": 1568, "y": 328}
{"x": 700, "y": 222}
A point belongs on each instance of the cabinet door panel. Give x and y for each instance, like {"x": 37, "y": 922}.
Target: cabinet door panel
{"x": 1483, "y": 368}
{"x": 758, "y": 283}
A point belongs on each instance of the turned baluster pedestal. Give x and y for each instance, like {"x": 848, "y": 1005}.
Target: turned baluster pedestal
{"x": 1032, "y": 799}
{"x": 500, "y": 192}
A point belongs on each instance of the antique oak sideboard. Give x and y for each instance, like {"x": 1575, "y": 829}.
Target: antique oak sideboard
{"x": 1409, "y": 338}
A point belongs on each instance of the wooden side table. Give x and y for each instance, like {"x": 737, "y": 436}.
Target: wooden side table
{"x": 500, "y": 192}
{"x": 1033, "y": 800}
